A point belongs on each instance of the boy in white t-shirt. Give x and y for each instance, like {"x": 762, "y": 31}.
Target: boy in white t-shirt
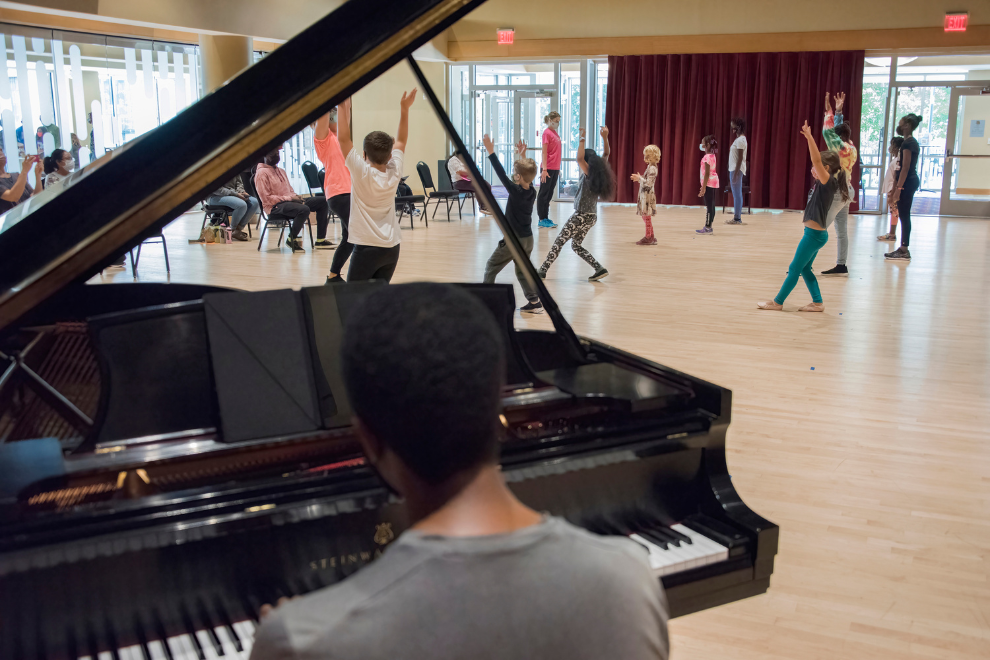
{"x": 375, "y": 176}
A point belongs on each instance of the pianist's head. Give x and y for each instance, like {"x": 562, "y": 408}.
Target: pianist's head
{"x": 423, "y": 364}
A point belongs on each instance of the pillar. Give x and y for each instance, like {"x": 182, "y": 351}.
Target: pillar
{"x": 223, "y": 56}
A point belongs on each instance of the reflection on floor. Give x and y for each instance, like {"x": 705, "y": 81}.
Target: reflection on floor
{"x": 875, "y": 464}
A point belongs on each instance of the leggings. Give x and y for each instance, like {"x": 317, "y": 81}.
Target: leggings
{"x": 812, "y": 241}
{"x": 341, "y": 206}
{"x": 904, "y": 209}
{"x": 574, "y": 231}
{"x": 546, "y": 194}
{"x": 710, "y": 203}
{"x": 370, "y": 262}
{"x": 648, "y": 221}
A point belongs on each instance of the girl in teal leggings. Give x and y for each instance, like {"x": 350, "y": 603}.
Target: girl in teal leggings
{"x": 829, "y": 178}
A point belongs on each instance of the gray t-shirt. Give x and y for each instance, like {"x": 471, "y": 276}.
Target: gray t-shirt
{"x": 548, "y": 591}
{"x": 6, "y": 183}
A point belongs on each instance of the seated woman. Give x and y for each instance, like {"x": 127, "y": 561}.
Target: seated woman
{"x": 14, "y": 190}
{"x": 58, "y": 166}
{"x": 461, "y": 179}
{"x": 245, "y": 207}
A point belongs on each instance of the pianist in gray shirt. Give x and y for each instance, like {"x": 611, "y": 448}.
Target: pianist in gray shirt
{"x": 479, "y": 575}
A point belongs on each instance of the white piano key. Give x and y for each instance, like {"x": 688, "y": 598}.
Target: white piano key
{"x": 229, "y": 649}
{"x": 157, "y": 653}
{"x": 208, "y": 649}
{"x": 105, "y": 655}
{"x": 717, "y": 551}
{"x": 245, "y": 632}
{"x": 178, "y": 648}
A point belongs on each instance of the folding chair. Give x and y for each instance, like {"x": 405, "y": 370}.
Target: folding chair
{"x": 447, "y": 184}
{"x": 449, "y": 197}
{"x": 160, "y": 238}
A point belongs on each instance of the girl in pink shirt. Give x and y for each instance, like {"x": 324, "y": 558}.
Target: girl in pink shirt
{"x": 709, "y": 181}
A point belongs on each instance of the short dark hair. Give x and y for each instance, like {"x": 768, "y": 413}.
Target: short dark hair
{"x": 378, "y": 147}
{"x": 740, "y": 124}
{"x": 423, "y": 364}
{"x": 844, "y": 131}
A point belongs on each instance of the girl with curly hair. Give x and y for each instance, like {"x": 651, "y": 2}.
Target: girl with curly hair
{"x": 646, "y": 207}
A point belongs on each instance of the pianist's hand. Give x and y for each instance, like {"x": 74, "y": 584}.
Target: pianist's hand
{"x": 267, "y": 609}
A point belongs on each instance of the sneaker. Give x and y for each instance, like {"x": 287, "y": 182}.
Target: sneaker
{"x": 294, "y": 244}
{"x": 889, "y": 238}
{"x": 770, "y": 304}
{"x": 324, "y": 244}
{"x": 647, "y": 240}
{"x": 734, "y": 221}
{"x": 532, "y": 308}
{"x": 839, "y": 271}
{"x": 901, "y": 254}
{"x": 705, "y": 230}
{"x": 812, "y": 307}
{"x": 546, "y": 223}
{"x": 542, "y": 273}
{"x": 333, "y": 279}
{"x": 240, "y": 236}
{"x": 599, "y": 274}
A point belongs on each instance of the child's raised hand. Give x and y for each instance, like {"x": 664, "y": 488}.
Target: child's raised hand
{"x": 840, "y": 99}
{"x": 489, "y": 145}
{"x": 827, "y": 100}
{"x": 806, "y": 131}
{"x": 581, "y": 132}
{"x": 521, "y": 148}
{"x": 635, "y": 177}
{"x": 603, "y": 131}
{"x": 407, "y": 99}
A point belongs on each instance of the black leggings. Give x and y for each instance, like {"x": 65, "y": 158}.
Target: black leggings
{"x": 369, "y": 262}
{"x": 341, "y": 206}
{"x": 710, "y": 203}
{"x": 300, "y": 214}
{"x": 904, "y": 209}
{"x": 546, "y": 194}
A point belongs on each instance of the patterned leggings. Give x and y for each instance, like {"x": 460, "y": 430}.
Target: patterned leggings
{"x": 574, "y": 231}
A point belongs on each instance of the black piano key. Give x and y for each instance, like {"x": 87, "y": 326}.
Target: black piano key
{"x": 656, "y": 539}
{"x": 142, "y": 638}
{"x": 227, "y": 623}
{"x": 211, "y": 634}
{"x": 190, "y": 629}
{"x": 72, "y": 645}
{"x": 111, "y": 639}
{"x": 93, "y": 646}
{"x": 683, "y": 537}
{"x": 663, "y": 532}
{"x": 162, "y": 635}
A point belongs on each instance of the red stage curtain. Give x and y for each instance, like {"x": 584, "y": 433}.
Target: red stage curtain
{"x": 675, "y": 100}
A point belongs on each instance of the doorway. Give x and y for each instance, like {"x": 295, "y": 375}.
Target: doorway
{"x": 508, "y": 116}
{"x": 966, "y": 183}
{"x": 932, "y": 103}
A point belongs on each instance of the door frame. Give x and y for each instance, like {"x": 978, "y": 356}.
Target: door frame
{"x": 959, "y": 207}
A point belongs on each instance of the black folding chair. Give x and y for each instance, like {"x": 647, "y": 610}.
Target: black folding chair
{"x": 313, "y": 179}
{"x": 160, "y": 238}
{"x": 277, "y": 221}
{"x": 449, "y": 197}
{"x": 447, "y": 184}
{"x": 217, "y": 214}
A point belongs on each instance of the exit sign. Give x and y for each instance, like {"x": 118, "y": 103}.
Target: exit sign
{"x": 956, "y": 21}
{"x": 506, "y": 36}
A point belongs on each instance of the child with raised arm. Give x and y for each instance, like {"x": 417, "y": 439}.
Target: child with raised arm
{"x": 375, "y": 176}
{"x": 838, "y": 136}
{"x": 829, "y": 179}
{"x": 519, "y": 214}
{"x": 646, "y": 205}
{"x": 597, "y": 182}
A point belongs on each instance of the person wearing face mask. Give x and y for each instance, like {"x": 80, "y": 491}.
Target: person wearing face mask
{"x": 550, "y": 170}
{"x": 14, "y": 190}
{"x": 709, "y": 181}
{"x": 737, "y": 168}
{"x": 278, "y": 198}
{"x": 58, "y": 166}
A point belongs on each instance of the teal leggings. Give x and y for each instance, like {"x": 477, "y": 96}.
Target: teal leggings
{"x": 812, "y": 241}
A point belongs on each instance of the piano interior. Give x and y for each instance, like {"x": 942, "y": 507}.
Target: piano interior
{"x": 143, "y": 499}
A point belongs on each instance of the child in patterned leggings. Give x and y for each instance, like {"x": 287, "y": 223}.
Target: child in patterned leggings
{"x": 597, "y": 182}
{"x": 646, "y": 207}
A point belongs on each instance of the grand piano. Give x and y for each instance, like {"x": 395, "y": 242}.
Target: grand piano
{"x": 174, "y": 456}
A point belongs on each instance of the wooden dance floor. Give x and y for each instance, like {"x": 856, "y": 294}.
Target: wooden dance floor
{"x": 864, "y": 432}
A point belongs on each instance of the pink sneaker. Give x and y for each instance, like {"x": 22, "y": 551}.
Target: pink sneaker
{"x": 647, "y": 240}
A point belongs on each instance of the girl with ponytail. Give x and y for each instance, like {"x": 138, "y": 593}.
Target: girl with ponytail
{"x": 830, "y": 180}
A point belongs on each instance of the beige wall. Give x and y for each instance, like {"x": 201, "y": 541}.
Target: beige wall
{"x": 974, "y": 174}
{"x": 376, "y": 107}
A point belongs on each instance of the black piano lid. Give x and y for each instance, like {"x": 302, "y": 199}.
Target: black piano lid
{"x": 109, "y": 206}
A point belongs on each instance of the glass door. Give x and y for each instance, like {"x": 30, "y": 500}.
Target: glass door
{"x": 932, "y": 103}
{"x": 530, "y": 109}
{"x": 966, "y": 186}
{"x": 495, "y": 114}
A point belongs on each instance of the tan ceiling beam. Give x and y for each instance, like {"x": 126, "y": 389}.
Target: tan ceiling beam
{"x": 975, "y": 39}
